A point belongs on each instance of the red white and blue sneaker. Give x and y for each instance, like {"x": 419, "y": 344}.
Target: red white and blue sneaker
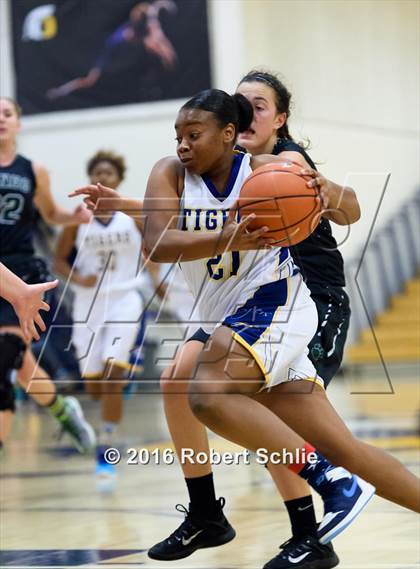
{"x": 345, "y": 496}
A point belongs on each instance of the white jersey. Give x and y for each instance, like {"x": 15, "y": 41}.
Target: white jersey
{"x": 226, "y": 282}
{"x": 112, "y": 251}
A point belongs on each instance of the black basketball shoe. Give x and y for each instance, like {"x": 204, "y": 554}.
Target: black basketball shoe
{"x": 194, "y": 533}
{"x": 304, "y": 553}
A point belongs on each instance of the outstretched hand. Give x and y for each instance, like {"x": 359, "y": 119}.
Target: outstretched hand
{"x": 97, "y": 196}
{"x": 27, "y": 308}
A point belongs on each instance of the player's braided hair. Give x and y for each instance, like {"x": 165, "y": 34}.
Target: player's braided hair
{"x": 117, "y": 162}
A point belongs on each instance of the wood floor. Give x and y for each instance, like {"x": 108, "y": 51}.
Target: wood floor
{"x": 53, "y": 515}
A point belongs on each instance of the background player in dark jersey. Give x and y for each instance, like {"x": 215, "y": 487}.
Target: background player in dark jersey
{"x": 27, "y": 301}
{"x": 142, "y": 30}
{"x": 25, "y": 188}
{"x": 321, "y": 263}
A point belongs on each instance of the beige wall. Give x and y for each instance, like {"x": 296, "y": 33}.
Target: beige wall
{"x": 351, "y": 61}
{"x": 352, "y": 66}
{"x": 353, "y": 69}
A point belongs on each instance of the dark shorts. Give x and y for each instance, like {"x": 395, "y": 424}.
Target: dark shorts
{"x": 327, "y": 346}
{"x": 31, "y": 270}
{"x": 199, "y": 336}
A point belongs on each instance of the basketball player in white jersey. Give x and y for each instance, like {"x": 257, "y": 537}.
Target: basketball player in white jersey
{"x": 258, "y": 311}
{"x": 107, "y": 304}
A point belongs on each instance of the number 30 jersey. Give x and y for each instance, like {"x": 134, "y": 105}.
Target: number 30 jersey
{"x": 17, "y": 210}
{"x": 224, "y": 283}
{"x": 110, "y": 250}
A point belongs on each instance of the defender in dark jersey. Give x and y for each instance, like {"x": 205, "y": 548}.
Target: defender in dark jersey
{"x": 322, "y": 266}
{"x": 24, "y": 188}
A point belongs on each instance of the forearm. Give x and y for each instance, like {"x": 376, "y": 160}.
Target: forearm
{"x": 176, "y": 245}
{"x": 130, "y": 206}
{"x": 64, "y": 269}
{"x": 61, "y": 216}
{"x": 343, "y": 206}
{"x": 11, "y": 286}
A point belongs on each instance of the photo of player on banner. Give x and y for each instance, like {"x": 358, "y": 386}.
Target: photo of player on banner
{"x": 107, "y": 53}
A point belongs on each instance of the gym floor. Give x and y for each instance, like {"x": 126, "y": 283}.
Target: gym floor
{"x": 54, "y": 515}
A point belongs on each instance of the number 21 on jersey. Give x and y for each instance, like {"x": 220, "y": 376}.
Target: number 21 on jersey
{"x": 224, "y": 266}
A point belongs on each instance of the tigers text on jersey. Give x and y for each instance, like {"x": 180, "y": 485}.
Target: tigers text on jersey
{"x": 111, "y": 250}
{"x": 222, "y": 284}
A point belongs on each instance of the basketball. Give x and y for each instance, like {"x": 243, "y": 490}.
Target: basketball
{"x": 278, "y": 195}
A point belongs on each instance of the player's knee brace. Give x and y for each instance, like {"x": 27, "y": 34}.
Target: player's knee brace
{"x": 12, "y": 348}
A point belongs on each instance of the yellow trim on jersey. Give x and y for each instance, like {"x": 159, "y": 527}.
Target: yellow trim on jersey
{"x": 316, "y": 380}
{"x": 137, "y": 368}
{"x": 253, "y": 353}
{"x": 128, "y": 366}
{"x": 92, "y": 375}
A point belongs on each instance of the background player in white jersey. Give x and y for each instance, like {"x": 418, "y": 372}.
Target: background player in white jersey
{"x": 24, "y": 190}
{"x": 107, "y": 306}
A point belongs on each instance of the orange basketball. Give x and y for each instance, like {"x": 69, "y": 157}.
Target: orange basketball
{"x": 278, "y": 195}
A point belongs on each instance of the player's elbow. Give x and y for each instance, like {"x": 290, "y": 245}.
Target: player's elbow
{"x": 357, "y": 213}
{"x": 354, "y": 213}
{"x": 50, "y": 217}
{"x": 158, "y": 254}
{"x": 159, "y": 250}
{"x": 161, "y": 246}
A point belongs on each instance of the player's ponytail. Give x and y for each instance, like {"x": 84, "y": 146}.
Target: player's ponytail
{"x": 234, "y": 109}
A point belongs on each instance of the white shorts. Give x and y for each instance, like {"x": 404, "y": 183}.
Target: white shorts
{"x": 105, "y": 328}
{"x": 276, "y": 326}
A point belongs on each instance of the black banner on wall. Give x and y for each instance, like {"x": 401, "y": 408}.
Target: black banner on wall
{"x": 78, "y": 54}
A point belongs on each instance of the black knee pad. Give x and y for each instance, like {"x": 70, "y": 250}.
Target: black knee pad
{"x": 12, "y": 348}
